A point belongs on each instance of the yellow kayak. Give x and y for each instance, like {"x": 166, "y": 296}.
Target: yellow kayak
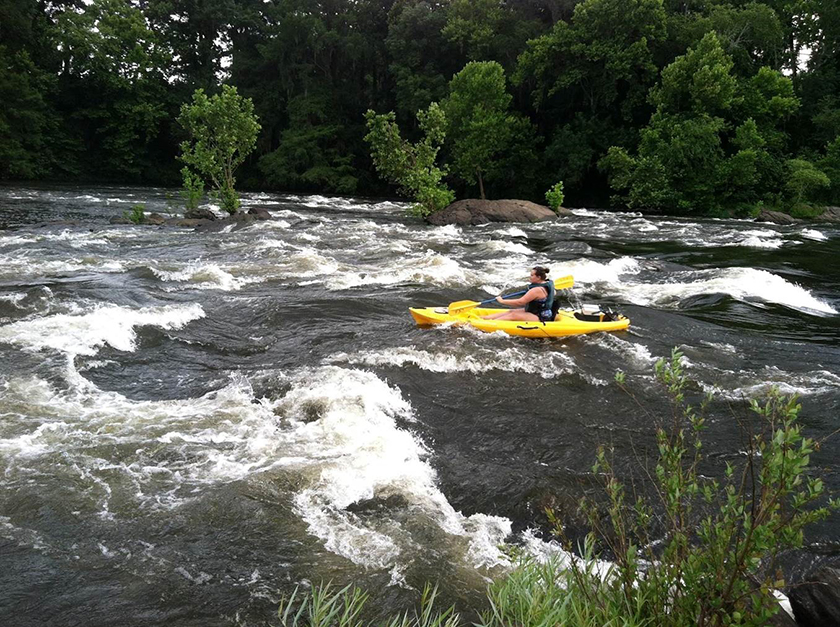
{"x": 567, "y": 322}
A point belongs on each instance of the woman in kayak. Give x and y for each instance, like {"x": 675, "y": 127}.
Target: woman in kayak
{"x": 537, "y": 300}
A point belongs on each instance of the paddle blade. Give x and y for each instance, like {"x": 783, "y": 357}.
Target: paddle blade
{"x": 564, "y": 282}
{"x": 462, "y": 305}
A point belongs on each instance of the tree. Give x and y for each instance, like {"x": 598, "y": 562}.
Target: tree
{"x": 715, "y": 143}
{"x": 421, "y": 58}
{"x": 805, "y": 180}
{"x": 480, "y": 124}
{"x": 411, "y": 166}
{"x": 589, "y": 79}
{"x": 308, "y": 156}
{"x": 113, "y": 87}
{"x": 222, "y": 132}
{"x": 28, "y": 123}
{"x": 830, "y": 165}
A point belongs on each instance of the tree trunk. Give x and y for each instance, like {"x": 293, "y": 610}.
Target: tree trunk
{"x": 480, "y": 184}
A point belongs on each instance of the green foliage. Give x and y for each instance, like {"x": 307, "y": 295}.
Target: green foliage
{"x": 699, "y": 551}
{"x": 555, "y": 196}
{"x": 592, "y": 61}
{"x": 137, "y": 214}
{"x": 193, "y": 189}
{"x": 481, "y": 128}
{"x": 28, "y": 123}
{"x": 113, "y": 69}
{"x": 714, "y": 142}
{"x": 411, "y": 166}
{"x": 805, "y": 181}
{"x": 751, "y": 34}
{"x": 830, "y": 165}
{"x": 473, "y": 24}
{"x": 222, "y": 131}
{"x": 324, "y": 607}
{"x": 91, "y": 90}
{"x": 307, "y": 156}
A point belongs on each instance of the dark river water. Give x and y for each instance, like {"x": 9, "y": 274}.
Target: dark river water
{"x": 191, "y": 424}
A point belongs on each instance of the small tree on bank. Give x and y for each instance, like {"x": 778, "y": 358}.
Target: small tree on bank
{"x": 411, "y": 166}
{"x": 222, "y": 132}
{"x": 480, "y": 125}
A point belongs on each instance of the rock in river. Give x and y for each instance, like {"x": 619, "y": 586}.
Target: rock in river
{"x": 474, "y": 211}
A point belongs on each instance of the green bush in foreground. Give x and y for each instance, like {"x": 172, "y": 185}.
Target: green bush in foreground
{"x": 699, "y": 552}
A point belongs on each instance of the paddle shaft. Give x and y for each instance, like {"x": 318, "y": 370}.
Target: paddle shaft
{"x": 560, "y": 284}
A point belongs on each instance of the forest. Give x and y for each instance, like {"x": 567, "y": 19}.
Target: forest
{"x": 694, "y": 107}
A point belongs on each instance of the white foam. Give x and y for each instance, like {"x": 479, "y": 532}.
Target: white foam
{"x": 85, "y": 334}
{"x": 591, "y": 271}
{"x": 18, "y": 266}
{"x": 429, "y": 268}
{"x": 746, "y": 384}
{"x": 14, "y": 298}
{"x": 758, "y": 238}
{"x": 207, "y": 276}
{"x": 344, "y": 422}
{"x": 477, "y": 360}
{"x": 814, "y": 235}
{"x": 744, "y": 284}
{"x": 509, "y": 247}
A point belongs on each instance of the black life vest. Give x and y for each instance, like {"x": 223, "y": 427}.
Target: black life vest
{"x": 541, "y": 307}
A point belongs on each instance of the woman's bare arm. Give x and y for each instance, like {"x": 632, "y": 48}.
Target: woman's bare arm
{"x": 535, "y": 293}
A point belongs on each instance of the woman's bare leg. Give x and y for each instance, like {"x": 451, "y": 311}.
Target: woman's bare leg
{"x": 513, "y": 314}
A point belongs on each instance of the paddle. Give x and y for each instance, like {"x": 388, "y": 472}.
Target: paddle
{"x": 563, "y": 283}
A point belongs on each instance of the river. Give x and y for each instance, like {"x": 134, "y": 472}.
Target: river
{"x": 192, "y": 424}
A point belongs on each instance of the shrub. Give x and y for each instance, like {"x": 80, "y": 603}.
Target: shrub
{"x": 137, "y": 214}
{"x": 222, "y": 131}
{"x": 805, "y": 181}
{"x": 703, "y": 551}
{"x": 555, "y": 196}
{"x": 411, "y": 166}
{"x": 193, "y": 188}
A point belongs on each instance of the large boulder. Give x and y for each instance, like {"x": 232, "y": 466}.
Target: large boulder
{"x": 831, "y": 214}
{"x": 474, "y": 211}
{"x": 776, "y": 217}
{"x": 816, "y": 601}
{"x": 200, "y": 213}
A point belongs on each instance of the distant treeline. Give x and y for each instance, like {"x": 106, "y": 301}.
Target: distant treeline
{"x": 692, "y": 106}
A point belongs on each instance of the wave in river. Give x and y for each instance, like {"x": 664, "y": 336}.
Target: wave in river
{"x": 84, "y": 334}
{"x": 750, "y": 285}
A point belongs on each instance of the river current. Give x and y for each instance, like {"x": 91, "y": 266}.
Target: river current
{"x": 192, "y": 424}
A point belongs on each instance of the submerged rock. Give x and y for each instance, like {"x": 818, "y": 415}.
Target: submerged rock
{"x": 816, "y": 601}
{"x": 474, "y": 211}
{"x": 260, "y": 214}
{"x": 234, "y": 222}
{"x": 155, "y": 219}
{"x": 776, "y": 217}
{"x": 190, "y": 222}
{"x": 199, "y": 214}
